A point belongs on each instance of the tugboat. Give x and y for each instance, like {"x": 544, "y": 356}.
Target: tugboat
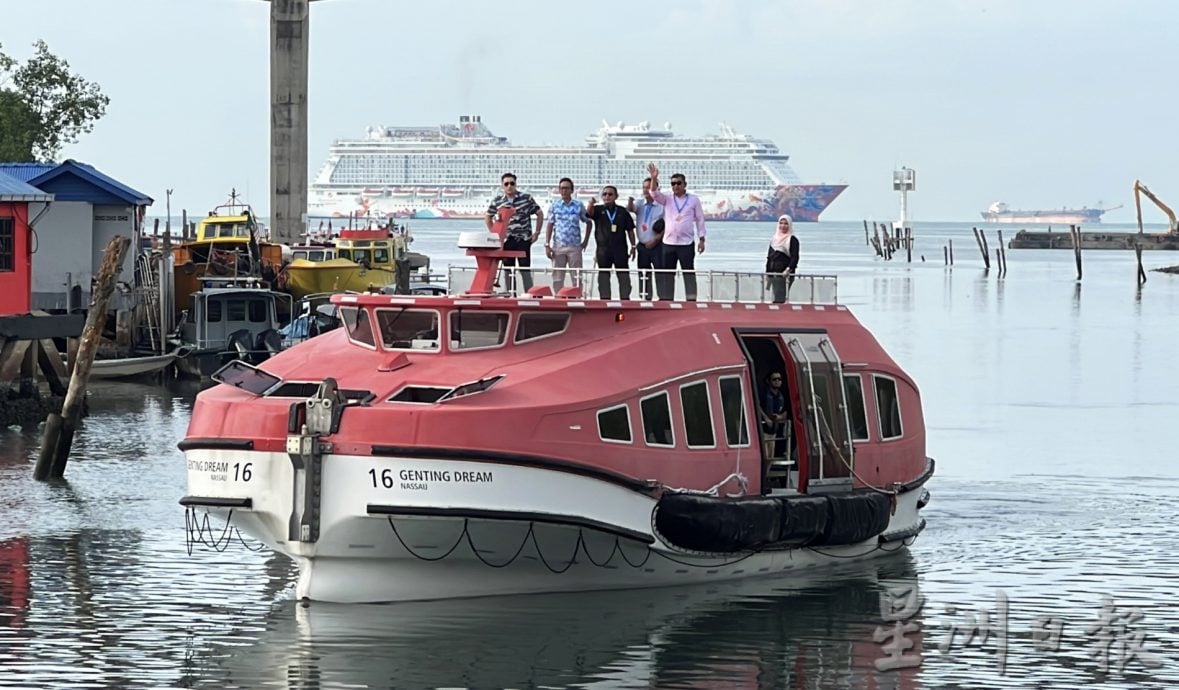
{"x": 485, "y": 443}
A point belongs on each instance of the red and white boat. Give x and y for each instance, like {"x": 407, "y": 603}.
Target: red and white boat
{"x": 483, "y": 443}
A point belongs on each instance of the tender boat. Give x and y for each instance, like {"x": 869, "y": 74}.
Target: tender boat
{"x": 485, "y": 443}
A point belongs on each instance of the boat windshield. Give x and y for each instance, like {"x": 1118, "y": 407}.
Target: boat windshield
{"x": 227, "y": 230}
{"x": 408, "y": 329}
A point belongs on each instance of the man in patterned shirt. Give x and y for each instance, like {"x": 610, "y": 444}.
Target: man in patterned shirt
{"x": 563, "y": 242}
{"x": 520, "y": 236}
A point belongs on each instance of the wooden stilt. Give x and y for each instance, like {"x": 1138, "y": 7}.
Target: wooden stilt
{"x": 59, "y": 428}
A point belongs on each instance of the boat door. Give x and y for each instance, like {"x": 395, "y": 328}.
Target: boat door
{"x": 822, "y": 425}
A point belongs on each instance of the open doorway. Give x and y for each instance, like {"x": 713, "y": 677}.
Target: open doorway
{"x": 808, "y": 448}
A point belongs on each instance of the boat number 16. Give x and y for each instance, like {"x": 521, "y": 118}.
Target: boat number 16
{"x": 243, "y": 471}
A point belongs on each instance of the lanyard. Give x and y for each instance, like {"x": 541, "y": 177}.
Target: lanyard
{"x": 611, "y": 215}
{"x": 647, "y": 214}
{"x": 678, "y": 207}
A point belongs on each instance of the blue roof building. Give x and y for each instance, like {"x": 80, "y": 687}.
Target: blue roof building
{"x": 81, "y": 210}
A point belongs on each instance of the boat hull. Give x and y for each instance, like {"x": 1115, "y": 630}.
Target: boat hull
{"x": 404, "y": 529}
{"x": 336, "y": 275}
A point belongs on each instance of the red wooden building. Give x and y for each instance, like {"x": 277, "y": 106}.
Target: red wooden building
{"x": 16, "y": 243}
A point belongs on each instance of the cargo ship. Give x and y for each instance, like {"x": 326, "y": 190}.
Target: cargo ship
{"x": 999, "y": 212}
{"x": 453, "y": 171}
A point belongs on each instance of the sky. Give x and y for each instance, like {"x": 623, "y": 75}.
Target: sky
{"x": 1039, "y": 103}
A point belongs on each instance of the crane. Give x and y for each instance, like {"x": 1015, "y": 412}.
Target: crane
{"x": 1140, "y": 189}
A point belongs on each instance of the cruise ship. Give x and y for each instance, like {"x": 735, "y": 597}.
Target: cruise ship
{"x": 453, "y": 171}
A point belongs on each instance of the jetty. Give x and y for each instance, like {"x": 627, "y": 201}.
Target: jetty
{"x": 1104, "y": 239}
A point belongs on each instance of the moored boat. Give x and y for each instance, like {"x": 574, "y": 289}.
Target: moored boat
{"x": 226, "y": 244}
{"x": 488, "y": 443}
{"x": 362, "y": 259}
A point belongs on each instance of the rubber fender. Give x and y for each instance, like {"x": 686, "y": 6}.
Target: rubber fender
{"x": 718, "y": 525}
{"x": 855, "y": 517}
{"x": 804, "y": 518}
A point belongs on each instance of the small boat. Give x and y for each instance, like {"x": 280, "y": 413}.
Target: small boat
{"x": 226, "y": 244}
{"x": 427, "y": 191}
{"x": 423, "y": 450}
{"x": 126, "y": 367}
{"x": 452, "y": 192}
{"x": 363, "y": 260}
{"x": 228, "y": 319}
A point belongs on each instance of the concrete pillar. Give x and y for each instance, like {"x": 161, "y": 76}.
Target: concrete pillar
{"x": 288, "y": 118}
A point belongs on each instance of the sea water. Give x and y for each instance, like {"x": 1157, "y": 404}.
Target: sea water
{"x": 1049, "y": 560}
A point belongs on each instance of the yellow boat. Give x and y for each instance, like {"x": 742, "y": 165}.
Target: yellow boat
{"x": 365, "y": 259}
{"x": 225, "y": 245}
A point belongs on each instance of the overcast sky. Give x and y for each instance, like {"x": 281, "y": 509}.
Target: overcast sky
{"x": 1041, "y": 103}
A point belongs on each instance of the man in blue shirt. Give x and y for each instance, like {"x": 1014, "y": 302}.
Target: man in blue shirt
{"x": 649, "y": 217}
{"x": 563, "y": 242}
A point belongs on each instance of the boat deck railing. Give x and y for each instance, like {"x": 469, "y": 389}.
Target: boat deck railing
{"x": 711, "y": 286}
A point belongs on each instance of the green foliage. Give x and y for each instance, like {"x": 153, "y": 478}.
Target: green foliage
{"x": 18, "y": 127}
{"x": 43, "y": 106}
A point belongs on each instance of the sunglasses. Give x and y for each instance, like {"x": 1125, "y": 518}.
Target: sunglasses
{"x": 677, "y": 183}
{"x": 509, "y": 184}
{"x": 609, "y": 194}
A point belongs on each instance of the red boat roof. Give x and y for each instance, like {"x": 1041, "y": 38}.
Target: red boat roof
{"x": 379, "y": 234}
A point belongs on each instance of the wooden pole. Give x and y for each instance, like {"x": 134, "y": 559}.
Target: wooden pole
{"x": 1075, "y": 231}
{"x": 909, "y": 245}
{"x": 184, "y": 224}
{"x": 866, "y": 240}
{"x": 945, "y": 256}
{"x": 1141, "y": 271}
{"x": 951, "y": 252}
{"x": 59, "y": 428}
{"x": 982, "y": 247}
{"x": 1002, "y": 250}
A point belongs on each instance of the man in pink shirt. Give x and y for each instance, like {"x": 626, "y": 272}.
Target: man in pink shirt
{"x": 683, "y": 219}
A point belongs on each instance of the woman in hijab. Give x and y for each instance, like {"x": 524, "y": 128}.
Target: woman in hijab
{"x": 782, "y": 258}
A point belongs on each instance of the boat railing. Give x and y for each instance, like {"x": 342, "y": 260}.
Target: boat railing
{"x": 711, "y": 286}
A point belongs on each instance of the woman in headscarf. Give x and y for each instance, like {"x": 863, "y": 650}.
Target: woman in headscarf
{"x": 782, "y": 259}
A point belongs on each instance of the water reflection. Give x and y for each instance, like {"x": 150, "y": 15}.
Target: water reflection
{"x": 813, "y": 631}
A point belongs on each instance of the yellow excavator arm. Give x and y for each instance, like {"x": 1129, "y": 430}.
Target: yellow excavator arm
{"x": 1140, "y": 189}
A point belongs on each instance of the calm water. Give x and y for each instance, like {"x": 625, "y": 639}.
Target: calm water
{"x": 1049, "y": 408}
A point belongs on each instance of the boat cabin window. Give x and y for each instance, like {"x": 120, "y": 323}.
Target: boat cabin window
{"x": 697, "y": 415}
{"x": 257, "y": 310}
{"x": 656, "y": 411}
{"x": 230, "y": 230}
{"x": 381, "y": 255}
{"x": 235, "y": 310}
{"x": 212, "y": 311}
{"x": 358, "y": 325}
{"x": 614, "y": 424}
{"x": 299, "y": 254}
{"x": 471, "y": 330}
{"x": 856, "y": 412}
{"x": 408, "y": 329}
{"x": 888, "y": 408}
{"x": 531, "y": 326}
{"x": 733, "y": 405}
